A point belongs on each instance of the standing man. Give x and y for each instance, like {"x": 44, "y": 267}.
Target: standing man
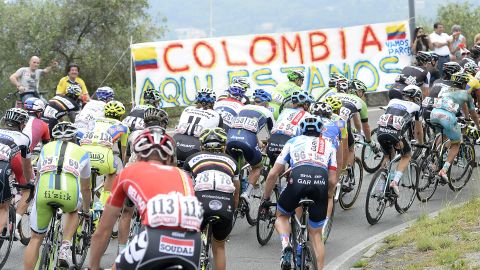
{"x": 27, "y": 79}
{"x": 441, "y": 45}
{"x": 73, "y": 79}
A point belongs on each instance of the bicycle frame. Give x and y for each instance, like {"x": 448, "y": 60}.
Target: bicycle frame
{"x": 52, "y": 241}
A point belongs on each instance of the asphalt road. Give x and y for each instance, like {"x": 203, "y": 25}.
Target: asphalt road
{"x": 350, "y": 228}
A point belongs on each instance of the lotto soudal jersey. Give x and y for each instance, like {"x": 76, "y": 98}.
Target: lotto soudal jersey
{"x": 309, "y": 150}
{"x": 399, "y": 114}
{"x": 254, "y": 118}
{"x": 288, "y": 122}
{"x": 13, "y": 143}
{"x": 60, "y": 105}
{"x": 37, "y": 131}
{"x": 228, "y": 108}
{"x": 418, "y": 76}
{"x": 163, "y": 195}
{"x": 212, "y": 171}
{"x": 193, "y": 120}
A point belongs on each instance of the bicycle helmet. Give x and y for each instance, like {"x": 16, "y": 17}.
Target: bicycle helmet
{"x": 236, "y": 90}
{"x": 470, "y": 67}
{"x": 475, "y": 51}
{"x": 322, "y": 109}
{"x": 423, "y": 57}
{"x": 413, "y": 92}
{"x": 472, "y": 132}
{"x": 105, "y": 94}
{"x": 154, "y": 139}
{"x": 357, "y": 85}
{"x": 460, "y": 79}
{"x": 262, "y": 96}
{"x": 16, "y": 115}
{"x": 294, "y": 75}
{"x": 74, "y": 91}
{"x": 64, "y": 131}
{"x": 206, "y": 95}
{"x": 242, "y": 81}
{"x": 434, "y": 56}
{"x": 155, "y": 117}
{"x": 213, "y": 139}
{"x": 451, "y": 67}
{"x": 334, "y": 102}
{"x": 151, "y": 96}
{"x": 114, "y": 109}
{"x": 301, "y": 98}
{"x": 311, "y": 126}
{"x": 334, "y": 78}
{"x": 34, "y": 104}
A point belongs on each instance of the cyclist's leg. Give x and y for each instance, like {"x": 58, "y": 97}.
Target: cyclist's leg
{"x": 16, "y": 165}
{"x": 350, "y": 155}
{"x": 5, "y": 193}
{"x": 124, "y": 224}
{"x": 403, "y": 147}
{"x": 448, "y": 121}
{"x": 71, "y": 203}
{"x": 114, "y": 166}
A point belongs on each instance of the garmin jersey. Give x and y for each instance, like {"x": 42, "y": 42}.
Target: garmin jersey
{"x": 452, "y": 99}
{"x": 254, "y": 118}
{"x": 13, "y": 143}
{"x": 59, "y": 106}
{"x": 37, "y": 131}
{"x": 288, "y": 122}
{"x": 212, "y": 171}
{"x": 284, "y": 90}
{"x": 106, "y": 132}
{"x": 309, "y": 150}
{"x": 399, "y": 114}
{"x": 414, "y": 75}
{"x": 228, "y": 108}
{"x": 351, "y": 104}
{"x": 134, "y": 120}
{"x": 194, "y": 120}
{"x": 66, "y": 157}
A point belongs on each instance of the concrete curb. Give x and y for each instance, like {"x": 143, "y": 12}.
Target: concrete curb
{"x": 341, "y": 260}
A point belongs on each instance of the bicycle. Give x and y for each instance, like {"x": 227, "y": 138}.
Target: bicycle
{"x": 81, "y": 240}
{"x": 371, "y": 158}
{"x": 53, "y": 239}
{"x": 433, "y": 160}
{"x": 380, "y": 194}
{"x": 351, "y": 181}
{"x": 7, "y": 235}
{"x": 206, "y": 237}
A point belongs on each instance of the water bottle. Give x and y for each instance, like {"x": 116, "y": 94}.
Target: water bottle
{"x": 298, "y": 255}
{"x": 244, "y": 183}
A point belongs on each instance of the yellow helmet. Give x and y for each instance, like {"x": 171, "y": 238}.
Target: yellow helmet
{"x": 114, "y": 109}
{"x": 334, "y": 102}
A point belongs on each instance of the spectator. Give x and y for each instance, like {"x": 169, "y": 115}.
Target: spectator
{"x": 421, "y": 41}
{"x": 72, "y": 79}
{"x": 441, "y": 45}
{"x": 27, "y": 79}
{"x": 458, "y": 42}
{"x": 476, "y": 40}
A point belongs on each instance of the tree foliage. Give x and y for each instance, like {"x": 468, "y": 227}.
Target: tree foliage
{"x": 91, "y": 33}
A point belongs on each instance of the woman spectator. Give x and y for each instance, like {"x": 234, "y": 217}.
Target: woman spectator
{"x": 421, "y": 41}
{"x": 458, "y": 42}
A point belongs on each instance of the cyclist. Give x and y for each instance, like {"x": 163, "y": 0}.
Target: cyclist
{"x": 101, "y": 142}
{"x": 313, "y": 167}
{"x": 287, "y": 125}
{"x": 151, "y": 99}
{"x": 446, "y": 107}
{"x": 93, "y": 109}
{"x": 35, "y": 129}
{"x": 229, "y": 106}
{"x": 62, "y": 165}
{"x": 474, "y": 56}
{"x": 171, "y": 236}
{"x": 14, "y": 157}
{"x": 284, "y": 90}
{"x": 415, "y": 74}
{"x": 243, "y": 135}
{"x": 192, "y": 121}
{"x": 216, "y": 182}
{"x": 337, "y": 82}
{"x": 473, "y": 86}
{"x": 62, "y": 106}
{"x": 392, "y": 126}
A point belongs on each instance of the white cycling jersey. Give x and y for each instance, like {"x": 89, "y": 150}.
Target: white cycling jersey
{"x": 194, "y": 120}
{"x": 228, "y": 108}
{"x": 288, "y": 122}
{"x": 92, "y": 111}
{"x": 399, "y": 113}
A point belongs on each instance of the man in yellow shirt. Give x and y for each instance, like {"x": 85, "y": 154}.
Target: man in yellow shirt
{"x": 73, "y": 79}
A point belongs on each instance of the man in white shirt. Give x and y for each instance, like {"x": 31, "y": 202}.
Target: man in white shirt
{"x": 441, "y": 45}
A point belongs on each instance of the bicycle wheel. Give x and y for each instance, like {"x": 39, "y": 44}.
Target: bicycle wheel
{"x": 351, "y": 186}
{"x": 407, "y": 188}
{"x": 462, "y": 167}
{"x": 376, "y": 202}
{"x": 6, "y": 238}
{"x": 24, "y": 227}
{"x": 371, "y": 161}
{"x": 427, "y": 181}
{"x": 81, "y": 242}
{"x": 266, "y": 221}
{"x": 254, "y": 201}
{"x": 327, "y": 228}
{"x": 45, "y": 257}
{"x": 309, "y": 260}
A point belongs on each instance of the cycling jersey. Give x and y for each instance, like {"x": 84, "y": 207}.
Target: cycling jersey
{"x": 319, "y": 93}
{"x": 193, "y": 120}
{"x": 280, "y": 93}
{"x": 134, "y": 119}
{"x": 228, "y": 108}
{"x": 414, "y": 75}
{"x": 335, "y": 129}
{"x": 437, "y": 86}
{"x": 288, "y": 121}
{"x": 90, "y": 112}
{"x": 309, "y": 150}
{"x": 352, "y": 104}
{"x": 61, "y": 165}
{"x": 36, "y": 130}
{"x": 253, "y": 118}
{"x": 473, "y": 85}
{"x": 58, "y": 107}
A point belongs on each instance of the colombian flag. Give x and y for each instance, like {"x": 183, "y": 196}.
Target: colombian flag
{"x": 396, "y": 31}
{"x": 145, "y": 58}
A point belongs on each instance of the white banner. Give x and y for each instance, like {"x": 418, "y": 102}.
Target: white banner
{"x": 374, "y": 53}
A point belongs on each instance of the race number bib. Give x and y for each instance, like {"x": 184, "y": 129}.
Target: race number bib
{"x": 98, "y": 138}
{"x": 186, "y": 129}
{"x": 446, "y": 104}
{"x": 398, "y": 122}
{"x": 134, "y": 123}
{"x": 227, "y": 117}
{"x": 383, "y": 121}
{"x": 286, "y": 128}
{"x": 5, "y": 152}
{"x": 345, "y": 113}
{"x": 427, "y": 102}
{"x": 50, "y": 112}
{"x": 49, "y": 164}
{"x": 192, "y": 212}
{"x": 214, "y": 180}
{"x": 277, "y": 97}
{"x": 247, "y": 123}
{"x": 71, "y": 166}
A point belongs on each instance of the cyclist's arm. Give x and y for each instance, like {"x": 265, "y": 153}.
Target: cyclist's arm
{"x": 123, "y": 144}
{"x": 356, "y": 122}
{"x": 332, "y": 174}
{"x": 276, "y": 170}
{"x": 27, "y": 169}
{"x": 343, "y": 142}
{"x": 85, "y": 172}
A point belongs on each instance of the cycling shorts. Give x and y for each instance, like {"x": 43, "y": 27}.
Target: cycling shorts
{"x": 306, "y": 182}
{"x": 220, "y": 204}
{"x": 160, "y": 249}
{"x": 388, "y": 137}
{"x": 448, "y": 121}
{"x": 60, "y": 188}
{"x": 351, "y": 139}
{"x": 275, "y": 144}
{"x": 247, "y": 142}
{"x": 102, "y": 158}
{"x": 5, "y": 188}
{"x": 186, "y": 146}
{"x": 392, "y": 94}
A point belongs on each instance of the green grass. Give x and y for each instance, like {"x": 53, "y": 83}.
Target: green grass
{"x": 360, "y": 264}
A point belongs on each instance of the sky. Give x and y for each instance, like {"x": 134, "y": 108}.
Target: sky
{"x": 191, "y": 18}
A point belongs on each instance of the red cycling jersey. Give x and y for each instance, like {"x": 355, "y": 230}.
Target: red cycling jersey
{"x": 164, "y": 195}
{"x": 36, "y": 130}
